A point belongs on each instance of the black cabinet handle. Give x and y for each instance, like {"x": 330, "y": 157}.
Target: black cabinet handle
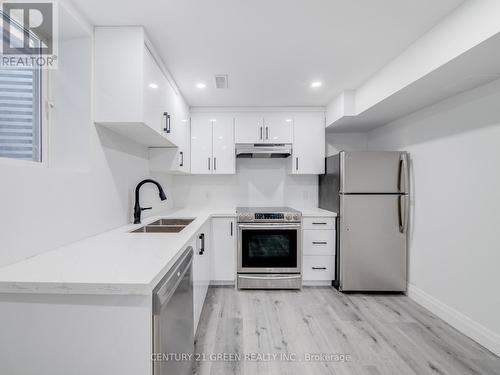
{"x": 319, "y": 223}
{"x": 208, "y": 163}
{"x": 296, "y": 164}
{"x": 167, "y": 122}
{"x": 182, "y": 159}
{"x": 231, "y": 229}
{"x": 319, "y": 268}
{"x": 202, "y": 238}
{"x": 320, "y": 243}
{"x": 215, "y": 164}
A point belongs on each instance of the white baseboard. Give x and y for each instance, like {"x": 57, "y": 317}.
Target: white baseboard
{"x": 456, "y": 319}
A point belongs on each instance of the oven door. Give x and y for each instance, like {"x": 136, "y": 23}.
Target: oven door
{"x": 269, "y": 248}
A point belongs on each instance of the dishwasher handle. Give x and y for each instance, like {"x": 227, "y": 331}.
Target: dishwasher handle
{"x": 167, "y": 286}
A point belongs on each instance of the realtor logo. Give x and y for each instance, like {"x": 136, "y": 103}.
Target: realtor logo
{"x": 28, "y": 33}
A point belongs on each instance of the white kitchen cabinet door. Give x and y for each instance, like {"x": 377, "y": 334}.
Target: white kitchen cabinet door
{"x": 182, "y": 128}
{"x": 318, "y": 268}
{"x": 201, "y": 144}
{"x": 174, "y": 160}
{"x": 309, "y": 144}
{"x": 156, "y": 88}
{"x": 224, "y": 158}
{"x": 201, "y": 270}
{"x": 118, "y": 53}
{"x": 132, "y": 94}
{"x": 278, "y": 129}
{"x": 223, "y": 250}
{"x": 249, "y": 128}
{"x": 181, "y": 133}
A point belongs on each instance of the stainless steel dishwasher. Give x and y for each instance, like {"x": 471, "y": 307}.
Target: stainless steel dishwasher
{"x": 173, "y": 335}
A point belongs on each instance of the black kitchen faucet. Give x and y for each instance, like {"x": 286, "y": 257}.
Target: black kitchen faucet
{"x": 137, "y": 207}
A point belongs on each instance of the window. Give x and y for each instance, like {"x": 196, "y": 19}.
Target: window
{"x": 21, "y": 112}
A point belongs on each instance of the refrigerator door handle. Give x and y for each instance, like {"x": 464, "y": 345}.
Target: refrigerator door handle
{"x": 407, "y": 213}
{"x": 400, "y": 214}
{"x": 404, "y": 211}
{"x": 403, "y": 174}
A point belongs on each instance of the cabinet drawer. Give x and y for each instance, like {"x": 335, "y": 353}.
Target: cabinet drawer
{"x": 318, "y": 223}
{"x": 318, "y": 268}
{"x": 318, "y": 242}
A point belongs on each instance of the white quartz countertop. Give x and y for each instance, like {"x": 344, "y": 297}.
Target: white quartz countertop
{"x": 114, "y": 262}
{"x": 317, "y": 212}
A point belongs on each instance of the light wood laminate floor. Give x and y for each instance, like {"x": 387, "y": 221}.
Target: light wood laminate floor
{"x": 382, "y": 334}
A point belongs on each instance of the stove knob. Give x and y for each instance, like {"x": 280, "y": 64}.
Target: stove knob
{"x": 288, "y": 217}
{"x": 296, "y": 217}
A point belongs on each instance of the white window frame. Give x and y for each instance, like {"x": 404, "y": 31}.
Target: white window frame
{"x": 45, "y": 106}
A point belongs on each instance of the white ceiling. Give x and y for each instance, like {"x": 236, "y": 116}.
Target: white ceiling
{"x": 273, "y": 49}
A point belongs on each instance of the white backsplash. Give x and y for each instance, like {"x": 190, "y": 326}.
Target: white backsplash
{"x": 258, "y": 182}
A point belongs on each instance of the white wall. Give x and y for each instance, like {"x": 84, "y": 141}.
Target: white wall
{"x": 454, "y": 242}
{"x": 336, "y": 142}
{"x": 87, "y": 185}
{"x": 258, "y": 182}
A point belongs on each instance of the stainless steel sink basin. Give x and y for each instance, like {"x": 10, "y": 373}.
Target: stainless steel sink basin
{"x": 164, "y": 226}
{"x": 172, "y": 222}
{"x": 159, "y": 229}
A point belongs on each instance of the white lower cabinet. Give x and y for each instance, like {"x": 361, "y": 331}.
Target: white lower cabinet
{"x": 318, "y": 223}
{"x": 201, "y": 269}
{"x": 318, "y": 247}
{"x": 318, "y": 242}
{"x": 318, "y": 268}
{"x": 223, "y": 250}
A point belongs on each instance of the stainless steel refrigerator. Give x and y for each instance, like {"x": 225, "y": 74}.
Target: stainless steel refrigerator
{"x": 370, "y": 192}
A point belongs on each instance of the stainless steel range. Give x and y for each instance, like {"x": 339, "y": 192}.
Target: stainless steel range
{"x": 269, "y": 248}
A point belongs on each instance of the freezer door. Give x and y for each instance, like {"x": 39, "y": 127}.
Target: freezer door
{"x": 373, "y": 172}
{"x": 372, "y": 243}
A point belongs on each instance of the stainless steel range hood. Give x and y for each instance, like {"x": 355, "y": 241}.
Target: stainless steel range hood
{"x": 263, "y": 150}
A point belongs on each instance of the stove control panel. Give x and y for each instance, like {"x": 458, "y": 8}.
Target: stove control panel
{"x": 269, "y": 217}
{"x": 264, "y": 216}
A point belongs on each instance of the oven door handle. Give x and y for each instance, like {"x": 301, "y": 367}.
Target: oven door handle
{"x": 270, "y": 277}
{"x": 269, "y": 226}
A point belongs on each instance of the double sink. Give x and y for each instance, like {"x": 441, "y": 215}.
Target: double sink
{"x": 164, "y": 226}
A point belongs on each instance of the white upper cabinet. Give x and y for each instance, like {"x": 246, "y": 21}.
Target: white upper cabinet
{"x": 175, "y": 160}
{"x": 223, "y": 145}
{"x": 201, "y": 144}
{"x": 308, "y": 155}
{"x": 249, "y": 128}
{"x": 272, "y": 128}
{"x": 278, "y": 129}
{"x": 156, "y": 96}
{"x": 212, "y": 144}
{"x": 132, "y": 94}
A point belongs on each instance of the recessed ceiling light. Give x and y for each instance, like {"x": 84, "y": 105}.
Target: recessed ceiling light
{"x": 316, "y": 84}
{"x": 288, "y": 120}
{"x": 153, "y": 85}
{"x": 201, "y": 85}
